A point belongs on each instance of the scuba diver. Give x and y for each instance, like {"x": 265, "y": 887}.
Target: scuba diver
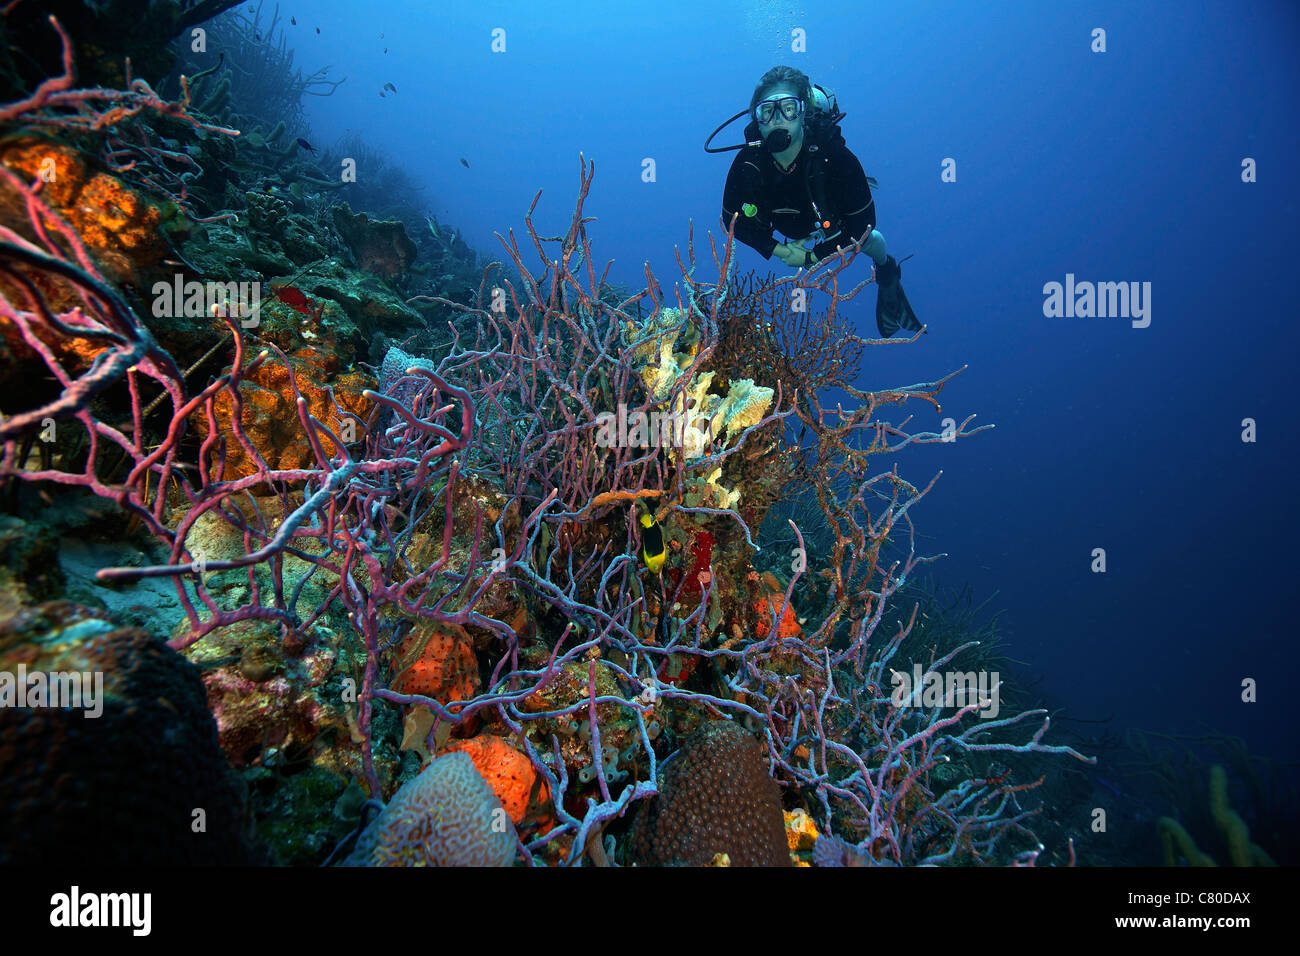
{"x": 795, "y": 173}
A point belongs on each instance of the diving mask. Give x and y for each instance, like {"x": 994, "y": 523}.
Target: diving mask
{"x": 791, "y": 108}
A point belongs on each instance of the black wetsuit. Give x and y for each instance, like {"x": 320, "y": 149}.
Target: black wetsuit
{"x": 782, "y": 197}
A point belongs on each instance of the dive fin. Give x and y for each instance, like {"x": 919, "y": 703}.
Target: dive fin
{"x": 893, "y": 311}
{"x": 885, "y": 321}
{"x": 909, "y": 320}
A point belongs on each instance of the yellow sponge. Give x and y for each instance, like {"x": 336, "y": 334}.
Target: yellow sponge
{"x": 1241, "y": 851}
{"x": 1171, "y": 834}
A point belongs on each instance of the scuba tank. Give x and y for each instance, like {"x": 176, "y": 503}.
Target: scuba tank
{"x": 821, "y": 130}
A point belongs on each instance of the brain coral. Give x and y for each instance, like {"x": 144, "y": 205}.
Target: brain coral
{"x": 716, "y": 797}
{"x": 445, "y": 816}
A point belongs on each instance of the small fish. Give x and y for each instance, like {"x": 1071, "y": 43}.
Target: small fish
{"x": 1109, "y": 786}
{"x": 318, "y": 31}
{"x": 464, "y": 163}
{"x": 652, "y": 543}
{"x": 390, "y": 86}
{"x": 381, "y": 94}
{"x": 293, "y": 21}
{"x": 303, "y": 144}
{"x": 385, "y": 49}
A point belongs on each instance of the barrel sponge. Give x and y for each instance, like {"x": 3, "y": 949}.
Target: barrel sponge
{"x": 447, "y": 815}
{"x": 716, "y": 797}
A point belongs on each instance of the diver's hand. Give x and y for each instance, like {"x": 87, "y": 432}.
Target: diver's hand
{"x": 791, "y": 254}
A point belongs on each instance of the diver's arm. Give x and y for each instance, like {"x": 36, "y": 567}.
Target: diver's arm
{"x": 848, "y": 191}
{"x": 745, "y": 186}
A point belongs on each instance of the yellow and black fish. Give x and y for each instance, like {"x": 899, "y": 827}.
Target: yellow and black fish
{"x": 652, "y": 543}
{"x": 653, "y": 554}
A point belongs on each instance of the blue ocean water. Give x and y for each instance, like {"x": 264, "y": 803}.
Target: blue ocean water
{"x": 1117, "y": 166}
